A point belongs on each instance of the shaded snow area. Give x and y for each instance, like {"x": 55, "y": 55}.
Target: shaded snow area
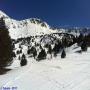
{"x": 71, "y": 73}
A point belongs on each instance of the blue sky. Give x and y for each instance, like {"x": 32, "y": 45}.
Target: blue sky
{"x": 55, "y": 12}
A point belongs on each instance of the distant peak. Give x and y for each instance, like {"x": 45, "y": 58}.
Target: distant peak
{"x": 39, "y": 21}
{"x": 36, "y": 20}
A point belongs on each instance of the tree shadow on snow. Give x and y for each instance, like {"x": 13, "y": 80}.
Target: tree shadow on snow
{"x": 4, "y": 71}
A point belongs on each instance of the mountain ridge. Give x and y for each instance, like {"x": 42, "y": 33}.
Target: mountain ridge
{"x": 27, "y": 27}
{"x": 35, "y": 26}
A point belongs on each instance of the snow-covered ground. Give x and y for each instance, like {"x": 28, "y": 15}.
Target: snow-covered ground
{"x": 71, "y": 73}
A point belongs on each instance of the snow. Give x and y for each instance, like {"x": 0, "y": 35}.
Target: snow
{"x": 25, "y": 28}
{"x": 2, "y": 14}
{"x": 71, "y": 73}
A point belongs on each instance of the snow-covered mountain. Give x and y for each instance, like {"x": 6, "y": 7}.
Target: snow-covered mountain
{"x": 47, "y": 71}
{"x": 35, "y": 26}
{"x": 25, "y": 28}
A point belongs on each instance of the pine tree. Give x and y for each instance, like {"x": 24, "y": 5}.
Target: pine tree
{"x": 6, "y": 48}
{"x": 34, "y": 53}
{"x": 56, "y": 49}
{"x": 28, "y": 51}
{"x": 50, "y": 50}
{"x": 20, "y": 50}
{"x": 19, "y": 57}
{"x": 80, "y": 38}
{"x": 42, "y": 55}
{"x": 84, "y": 46}
{"x": 13, "y": 54}
{"x": 13, "y": 46}
{"x": 23, "y": 60}
{"x": 65, "y": 42}
{"x": 63, "y": 54}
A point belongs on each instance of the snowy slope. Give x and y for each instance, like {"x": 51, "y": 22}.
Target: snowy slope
{"x": 71, "y": 73}
{"x": 25, "y": 28}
